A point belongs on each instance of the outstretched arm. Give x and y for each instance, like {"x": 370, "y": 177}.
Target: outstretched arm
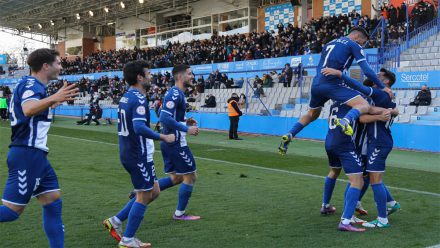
{"x": 349, "y": 81}
{"x": 167, "y": 120}
{"x": 376, "y": 114}
{"x": 140, "y": 128}
{"x": 370, "y": 74}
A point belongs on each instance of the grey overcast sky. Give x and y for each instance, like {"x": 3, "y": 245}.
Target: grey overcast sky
{"x": 13, "y": 44}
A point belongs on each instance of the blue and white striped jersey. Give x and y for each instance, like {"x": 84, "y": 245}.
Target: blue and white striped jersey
{"x": 335, "y": 138}
{"x": 29, "y": 131}
{"x": 133, "y": 147}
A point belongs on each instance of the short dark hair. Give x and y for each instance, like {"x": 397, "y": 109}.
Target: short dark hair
{"x": 133, "y": 69}
{"x": 179, "y": 69}
{"x": 360, "y": 30}
{"x": 368, "y": 82}
{"x": 39, "y": 57}
{"x": 389, "y": 75}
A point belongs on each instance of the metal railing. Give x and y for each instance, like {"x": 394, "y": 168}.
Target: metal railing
{"x": 250, "y": 90}
{"x": 389, "y": 55}
{"x": 421, "y": 34}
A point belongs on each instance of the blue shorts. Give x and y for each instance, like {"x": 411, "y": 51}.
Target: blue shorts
{"x": 142, "y": 173}
{"x": 323, "y": 92}
{"x": 347, "y": 159}
{"x": 177, "y": 159}
{"x": 30, "y": 175}
{"x": 377, "y": 156}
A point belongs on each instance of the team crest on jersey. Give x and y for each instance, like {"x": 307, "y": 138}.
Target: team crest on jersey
{"x": 124, "y": 100}
{"x": 362, "y": 52}
{"x": 141, "y": 110}
{"x": 170, "y": 104}
{"x": 27, "y": 93}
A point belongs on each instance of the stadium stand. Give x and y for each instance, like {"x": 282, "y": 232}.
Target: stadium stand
{"x": 422, "y": 57}
{"x": 289, "y": 41}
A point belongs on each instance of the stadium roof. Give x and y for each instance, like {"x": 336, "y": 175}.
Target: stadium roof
{"x": 49, "y": 16}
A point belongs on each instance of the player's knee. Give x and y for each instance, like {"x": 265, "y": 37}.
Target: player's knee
{"x": 190, "y": 178}
{"x": 176, "y": 179}
{"x": 357, "y": 183}
{"x": 144, "y": 197}
{"x": 155, "y": 194}
{"x": 49, "y": 197}
{"x": 334, "y": 173}
{"x": 375, "y": 178}
{"x": 314, "y": 113}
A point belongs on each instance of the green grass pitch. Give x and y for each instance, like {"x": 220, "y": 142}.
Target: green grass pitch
{"x": 247, "y": 195}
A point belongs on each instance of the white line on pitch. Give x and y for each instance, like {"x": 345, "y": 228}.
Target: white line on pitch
{"x": 434, "y": 246}
{"x": 258, "y": 167}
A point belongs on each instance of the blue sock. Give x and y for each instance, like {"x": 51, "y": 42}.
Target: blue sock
{"x": 389, "y": 196}
{"x": 328, "y": 189}
{"x": 165, "y": 183}
{"x": 380, "y": 197}
{"x": 352, "y": 115}
{"x": 351, "y": 200}
{"x": 134, "y": 219}
{"x": 185, "y": 191}
{"x": 7, "y": 214}
{"x": 53, "y": 224}
{"x": 345, "y": 192}
{"x": 296, "y": 129}
{"x": 123, "y": 214}
{"x": 365, "y": 187}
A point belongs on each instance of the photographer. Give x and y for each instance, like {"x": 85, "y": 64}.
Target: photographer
{"x": 94, "y": 115}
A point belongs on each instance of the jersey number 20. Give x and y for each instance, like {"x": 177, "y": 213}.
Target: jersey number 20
{"x": 123, "y": 124}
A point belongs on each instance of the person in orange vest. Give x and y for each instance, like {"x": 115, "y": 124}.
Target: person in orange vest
{"x": 234, "y": 113}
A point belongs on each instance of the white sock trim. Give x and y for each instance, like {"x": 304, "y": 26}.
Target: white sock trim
{"x": 116, "y": 221}
{"x": 346, "y": 221}
{"x": 179, "y": 213}
{"x": 383, "y": 220}
{"x": 391, "y": 203}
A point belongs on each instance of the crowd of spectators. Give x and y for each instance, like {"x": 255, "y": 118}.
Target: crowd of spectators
{"x": 288, "y": 41}
{"x": 422, "y": 13}
{"x": 112, "y": 89}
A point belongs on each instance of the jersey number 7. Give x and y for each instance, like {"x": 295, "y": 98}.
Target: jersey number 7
{"x": 329, "y": 50}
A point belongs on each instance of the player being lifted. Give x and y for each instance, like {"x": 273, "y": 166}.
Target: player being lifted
{"x": 30, "y": 172}
{"x": 178, "y": 160}
{"x": 380, "y": 143}
{"x": 136, "y": 148}
{"x": 337, "y": 54}
{"x": 345, "y": 152}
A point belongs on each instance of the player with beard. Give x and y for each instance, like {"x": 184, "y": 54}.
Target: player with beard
{"x": 179, "y": 162}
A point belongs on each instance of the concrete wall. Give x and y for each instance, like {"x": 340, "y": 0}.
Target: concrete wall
{"x": 61, "y": 48}
{"x": 88, "y": 46}
{"x": 318, "y": 9}
{"x": 366, "y": 8}
{"x": 130, "y": 24}
{"x": 208, "y": 7}
{"x": 108, "y": 43}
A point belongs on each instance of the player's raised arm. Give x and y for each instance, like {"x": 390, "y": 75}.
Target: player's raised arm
{"x": 33, "y": 104}
{"x": 359, "y": 55}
